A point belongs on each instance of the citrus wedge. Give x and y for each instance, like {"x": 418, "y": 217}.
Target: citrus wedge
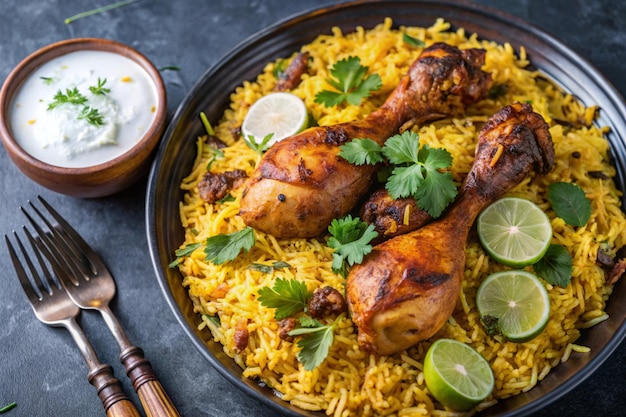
{"x": 457, "y": 375}
{"x": 280, "y": 114}
{"x": 513, "y": 303}
{"x": 514, "y": 231}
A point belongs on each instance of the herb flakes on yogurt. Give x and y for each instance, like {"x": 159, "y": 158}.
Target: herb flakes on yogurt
{"x": 83, "y": 108}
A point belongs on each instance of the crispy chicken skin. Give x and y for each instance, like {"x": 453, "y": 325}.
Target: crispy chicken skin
{"x": 407, "y": 287}
{"x": 392, "y": 217}
{"x": 301, "y": 183}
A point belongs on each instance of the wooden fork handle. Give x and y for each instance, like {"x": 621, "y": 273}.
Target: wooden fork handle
{"x": 155, "y": 401}
{"x": 109, "y": 389}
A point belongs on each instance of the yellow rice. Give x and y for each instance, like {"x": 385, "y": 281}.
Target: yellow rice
{"x": 351, "y": 382}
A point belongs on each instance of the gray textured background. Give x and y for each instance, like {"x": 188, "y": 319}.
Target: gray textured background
{"x": 40, "y": 368}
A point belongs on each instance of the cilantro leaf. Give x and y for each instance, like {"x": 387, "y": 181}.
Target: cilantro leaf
{"x": 569, "y": 203}
{"x": 438, "y": 187}
{"x": 225, "y": 247}
{"x": 183, "y": 252}
{"x": 403, "y": 148}
{"x": 315, "y": 346}
{"x": 362, "y": 151}
{"x": 555, "y": 266}
{"x": 350, "y": 237}
{"x": 418, "y": 173}
{"x": 350, "y": 80}
{"x": 287, "y": 296}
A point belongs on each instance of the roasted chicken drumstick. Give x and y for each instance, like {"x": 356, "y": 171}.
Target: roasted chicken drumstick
{"x": 301, "y": 184}
{"x": 407, "y": 287}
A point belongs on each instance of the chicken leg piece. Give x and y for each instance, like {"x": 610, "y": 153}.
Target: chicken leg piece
{"x": 407, "y": 287}
{"x": 301, "y": 184}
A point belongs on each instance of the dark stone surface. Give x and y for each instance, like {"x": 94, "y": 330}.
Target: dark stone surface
{"x": 40, "y": 368}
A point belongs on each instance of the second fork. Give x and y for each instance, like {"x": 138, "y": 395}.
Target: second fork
{"x": 91, "y": 286}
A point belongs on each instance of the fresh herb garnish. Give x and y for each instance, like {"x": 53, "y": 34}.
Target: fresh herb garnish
{"x": 498, "y": 90}
{"x": 215, "y": 320}
{"x": 97, "y": 10}
{"x": 47, "y": 80}
{"x": 315, "y": 346}
{"x": 71, "y": 96}
{"x": 225, "y": 247}
{"x": 258, "y": 147}
{"x": 268, "y": 269}
{"x": 91, "y": 116}
{"x": 183, "y": 252}
{"x": 410, "y": 40}
{"x": 8, "y": 407}
{"x": 286, "y": 296}
{"x": 555, "y": 266}
{"x": 169, "y": 68}
{"x": 279, "y": 68}
{"x": 569, "y": 203}
{"x": 350, "y": 237}
{"x": 362, "y": 151}
{"x": 207, "y": 124}
{"x": 99, "y": 89}
{"x": 418, "y": 172}
{"x": 350, "y": 80}
{"x": 491, "y": 325}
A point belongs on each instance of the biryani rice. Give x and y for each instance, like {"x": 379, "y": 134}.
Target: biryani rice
{"x": 352, "y": 382}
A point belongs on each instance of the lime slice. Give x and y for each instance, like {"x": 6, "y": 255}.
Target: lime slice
{"x": 514, "y": 231}
{"x": 456, "y": 375}
{"x": 514, "y": 303}
{"x": 281, "y": 114}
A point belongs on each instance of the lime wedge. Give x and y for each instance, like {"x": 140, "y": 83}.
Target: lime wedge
{"x": 514, "y": 231}
{"x": 456, "y": 375}
{"x": 280, "y": 114}
{"x": 514, "y": 303}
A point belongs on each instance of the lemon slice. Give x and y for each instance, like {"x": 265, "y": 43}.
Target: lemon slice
{"x": 280, "y": 114}
{"x": 457, "y": 375}
{"x": 514, "y": 231}
{"x": 517, "y": 300}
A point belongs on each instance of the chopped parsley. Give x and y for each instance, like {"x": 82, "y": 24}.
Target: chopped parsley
{"x": 421, "y": 173}
{"x": 350, "y": 237}
{"x": 91, "y": 116}
{"x": 72, "y": 96}
{"x": 350, "y": 80}
{"x": 569, "y": 203}
{"x": 222, "y": 248}
{"x": 99, "y": 89}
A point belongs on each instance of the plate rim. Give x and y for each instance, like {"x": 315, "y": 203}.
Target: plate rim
{"x": 248, "y": 386}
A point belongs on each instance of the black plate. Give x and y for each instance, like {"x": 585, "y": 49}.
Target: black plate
{"x": 211, "y": 95}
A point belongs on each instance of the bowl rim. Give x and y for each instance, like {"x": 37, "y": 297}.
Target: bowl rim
{"x": 34, "y": 60}
{"x": 612, "y": 96}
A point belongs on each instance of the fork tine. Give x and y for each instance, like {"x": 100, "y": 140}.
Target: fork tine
{"x": 21, "y": 273}
{"x": 58, "y": 251}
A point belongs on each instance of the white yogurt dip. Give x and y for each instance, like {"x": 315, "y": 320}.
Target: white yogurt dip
{"x": 58, "y": 119}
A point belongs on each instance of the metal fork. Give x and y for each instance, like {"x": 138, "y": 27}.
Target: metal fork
{"x": 90, "y": 285}
{"x": 53, "y": 307}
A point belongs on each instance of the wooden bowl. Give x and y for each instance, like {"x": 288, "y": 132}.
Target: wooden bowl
{"x": 102, "y": 178}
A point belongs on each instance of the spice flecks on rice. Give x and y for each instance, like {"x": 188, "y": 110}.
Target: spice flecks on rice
{"x": 351, "y": 382}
